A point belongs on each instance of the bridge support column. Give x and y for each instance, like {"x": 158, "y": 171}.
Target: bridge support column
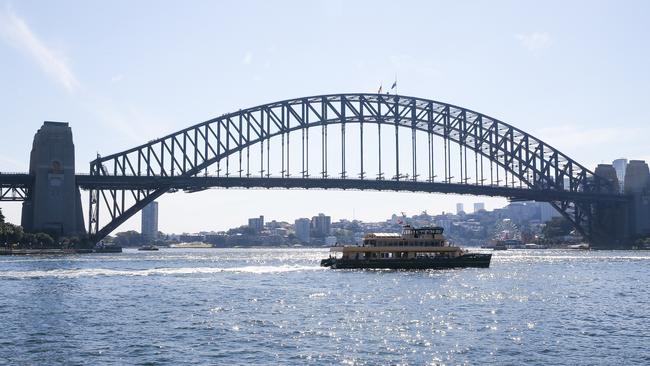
{"x": 610, "y": 226}
{"x": 54, "y": 204}
{"x": 619, "y": 224}
{"x": 637, "y": 184}
{"x": 608, "y": 221}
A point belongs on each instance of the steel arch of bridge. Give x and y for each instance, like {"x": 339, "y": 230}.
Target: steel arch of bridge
{"x": 186, "y": 153}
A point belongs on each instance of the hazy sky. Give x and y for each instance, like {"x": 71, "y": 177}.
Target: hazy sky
{"x": 574, "y": 73}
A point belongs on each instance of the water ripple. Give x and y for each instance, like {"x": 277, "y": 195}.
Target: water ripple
{"x": 277, "y": 306}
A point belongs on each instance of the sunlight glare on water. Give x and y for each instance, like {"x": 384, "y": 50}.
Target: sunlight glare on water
{"x": 267, "y": 306}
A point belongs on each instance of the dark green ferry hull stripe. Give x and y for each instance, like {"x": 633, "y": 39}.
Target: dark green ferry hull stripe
{"x": 472, "y": 260}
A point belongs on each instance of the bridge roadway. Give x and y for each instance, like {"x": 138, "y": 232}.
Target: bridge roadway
{"x": 198, "y": 183}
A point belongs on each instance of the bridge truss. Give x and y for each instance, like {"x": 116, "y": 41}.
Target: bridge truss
{"x": 349, "y": 141}
{"x": 15, "y": 187}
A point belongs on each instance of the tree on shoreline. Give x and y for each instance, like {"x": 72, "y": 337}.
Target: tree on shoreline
{"x": 14, "y": 236}
{"x": 556, "y": 227}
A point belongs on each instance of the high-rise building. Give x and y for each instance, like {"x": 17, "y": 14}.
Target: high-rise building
{"x": 620, "y": 165}
{"x": 149, "y": 226}
{"x": 256, "y": 223}
{"x": 303, "y": 228}
{"x": 479, "y": 206}
{"x": 459, "y": 208}
{"x": 321, "y": 225}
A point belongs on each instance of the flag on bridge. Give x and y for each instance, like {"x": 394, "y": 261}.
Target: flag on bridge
{"x": 380, "y": 89}
{"x": 394, "y": 85}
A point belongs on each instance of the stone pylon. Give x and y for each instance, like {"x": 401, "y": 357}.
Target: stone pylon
{"x": 637, "y": 183}
{"x": 54, "y": 204}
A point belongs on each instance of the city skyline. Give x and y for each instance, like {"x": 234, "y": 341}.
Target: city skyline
{"x": 114, "y": 103}
{"x": 261, "y": 221}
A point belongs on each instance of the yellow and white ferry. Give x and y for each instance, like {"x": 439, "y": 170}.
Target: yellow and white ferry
{"x": 422, "y": 248}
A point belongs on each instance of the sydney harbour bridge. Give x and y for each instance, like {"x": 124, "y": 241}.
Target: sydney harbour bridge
{"x": 338, "y": 141}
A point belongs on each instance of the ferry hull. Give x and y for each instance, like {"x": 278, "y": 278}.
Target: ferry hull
{"x": 472, "y": 260}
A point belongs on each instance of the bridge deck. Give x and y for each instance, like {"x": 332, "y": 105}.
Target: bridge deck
{"x": 202, "y": 182}
{"x": 22, "y": 181}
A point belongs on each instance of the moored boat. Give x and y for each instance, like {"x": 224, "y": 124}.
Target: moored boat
{"x": 422, "y": 248}
{"x": 535, "y": 246}
{"x": 108, "y": 249}
{"x": 148, "y": 248}
{"x": 581, "y": 246}
{"x": 192, "y": 245}
{"x": 101, "y": 247}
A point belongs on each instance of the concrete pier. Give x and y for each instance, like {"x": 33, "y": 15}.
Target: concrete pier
{"x": 54, "y": 205}
{"x": 637, "y": 183}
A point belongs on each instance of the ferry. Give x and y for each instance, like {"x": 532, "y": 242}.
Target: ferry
{"x": 191, "y": 245}
{"x": 421, "y": 248}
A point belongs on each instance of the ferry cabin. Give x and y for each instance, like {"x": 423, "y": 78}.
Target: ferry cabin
{"x": 414, "y": 243}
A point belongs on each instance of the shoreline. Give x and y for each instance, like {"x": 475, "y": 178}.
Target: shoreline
{"x": 5, "y": 251}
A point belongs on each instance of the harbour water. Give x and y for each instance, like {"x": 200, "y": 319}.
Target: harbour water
{"x": 277, "y": 306}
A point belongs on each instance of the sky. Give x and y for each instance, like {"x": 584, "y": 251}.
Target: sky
{"x": 574, "y": 74}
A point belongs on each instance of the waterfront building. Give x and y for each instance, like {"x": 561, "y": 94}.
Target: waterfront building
{"x": 620, "y": 165}
{"x": 321, "y": 225}
{"x": 479, "y": 206}
{"x": 256, "y": 223}
{"x": 303, "y": 228}
{"x": 459, "y": 208}
{"x": 279, "y": 231}
{"x": 520, "y": 212}
{"x": 216, "y": 239}
{"x": 149, "y": 227}
{"x": 444, "y": 221}
{"x": 191, "y": 238}
{"x": 330, "y": 240}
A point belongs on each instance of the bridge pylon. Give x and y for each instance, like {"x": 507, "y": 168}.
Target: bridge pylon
{"x": 54, "y": 203}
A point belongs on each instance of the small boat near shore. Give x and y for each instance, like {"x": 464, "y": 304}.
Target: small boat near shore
{"x": 581, "y": 246}
{"x": 107, "y": 248}
{"x": 46, "y": 251}
{"x": 535, "y": 246}
{"x": 192, "y": 245}
{"x": 148, "y": 248}
{"x": 422, "y": 248}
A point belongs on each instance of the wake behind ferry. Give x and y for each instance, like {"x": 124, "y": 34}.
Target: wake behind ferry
{"x": 422, "y": 248}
